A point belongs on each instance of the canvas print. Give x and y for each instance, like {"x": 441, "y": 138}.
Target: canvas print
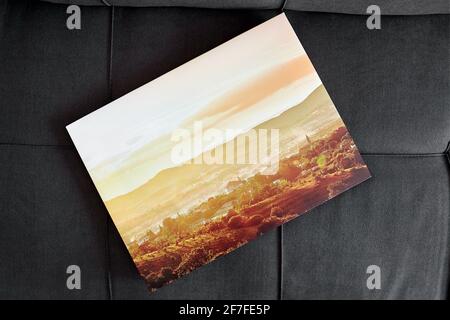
{"x": 217, "y": 152}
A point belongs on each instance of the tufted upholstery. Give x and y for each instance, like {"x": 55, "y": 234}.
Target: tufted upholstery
{"x": 391, "y": 87}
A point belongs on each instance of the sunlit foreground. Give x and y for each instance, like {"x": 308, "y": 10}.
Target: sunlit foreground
{"x": 323, "y": 168}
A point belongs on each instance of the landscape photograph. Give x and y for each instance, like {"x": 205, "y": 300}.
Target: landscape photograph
{"x": 217, "y": 152}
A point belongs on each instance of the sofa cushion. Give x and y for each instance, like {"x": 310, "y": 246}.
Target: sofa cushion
{"x": 398, "y": 7}
{"x": 391, "y": 87}
{"x": 397, "y": 221}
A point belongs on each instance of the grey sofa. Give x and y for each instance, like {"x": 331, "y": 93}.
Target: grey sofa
{"x": 391, "y": 87}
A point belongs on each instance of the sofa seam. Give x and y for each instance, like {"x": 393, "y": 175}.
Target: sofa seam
{"x": 103, "y": 3}
{"x": 446, "y": 152}
{"x": 109, "y": 286}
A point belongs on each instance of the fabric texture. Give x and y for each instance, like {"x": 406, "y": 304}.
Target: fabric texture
{"x": 390, "y": 86}
{"x": 398, "y": 7}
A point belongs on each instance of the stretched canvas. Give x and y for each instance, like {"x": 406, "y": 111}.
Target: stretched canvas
{"x": 224, "y": 148}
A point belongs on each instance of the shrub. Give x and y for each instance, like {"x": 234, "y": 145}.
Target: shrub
{"x": 236, "y": 222}
{"x": 283, "y": 183}
{"x": 321, "y": 160}
{"x": 276, "y": 211}
{"x": 254, "y": 220}
{"x": 231, "y": 213}
{"x": 175, "y": 258}
{"x": 347, "y": 162}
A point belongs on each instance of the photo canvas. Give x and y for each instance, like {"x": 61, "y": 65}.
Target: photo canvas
{"x": 218, "y": 151}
